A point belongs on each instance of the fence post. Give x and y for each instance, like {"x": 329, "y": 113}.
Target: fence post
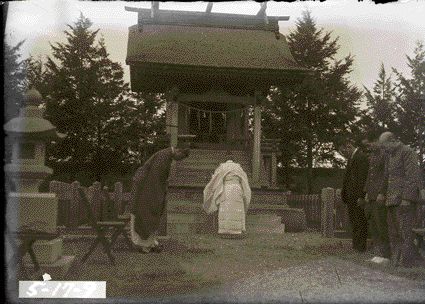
{"x": 97, "y": 201}
{"x": 53, "y": 188}
{"x": 108, "y": 205}
{"x": 75, "y": 210}
{"x": 118, "y": 199}
{"x": 328, "y": 204}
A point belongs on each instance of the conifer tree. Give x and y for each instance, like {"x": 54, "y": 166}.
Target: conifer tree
{"x": 311, "y": 115}
{"x": 410, "y": 110}
{"x": 14, "y": 80}
{"x": 380, "y": 102}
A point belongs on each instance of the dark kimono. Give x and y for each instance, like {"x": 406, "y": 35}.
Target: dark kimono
{"x": 149, "y": 192}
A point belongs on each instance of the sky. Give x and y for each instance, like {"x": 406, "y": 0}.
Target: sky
{"x": 373, "y": 33}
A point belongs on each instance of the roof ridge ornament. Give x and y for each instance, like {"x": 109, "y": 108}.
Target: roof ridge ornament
{"x": 207, "y": 18}
{"x": 154, "y": 9}
{"x": 262, "y": 12}
{"x": 209, "y": 7}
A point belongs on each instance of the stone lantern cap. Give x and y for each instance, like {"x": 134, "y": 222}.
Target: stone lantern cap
{"x": 30, "y": 122}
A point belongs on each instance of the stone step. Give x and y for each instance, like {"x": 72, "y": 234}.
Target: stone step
{"x": 186, "y": 218}
{"x": 189, "y": 227}
{"x": 277, "y": 230}
{"x": 214, "y": 158}
{"x": 175, "y": 202}
{"x": 216, "y": 152}
{"x": 263, "y": 220}
{"x": 182, "y": 228}
{"x": 257, "y": 198}
{"x": 342, "y": 234}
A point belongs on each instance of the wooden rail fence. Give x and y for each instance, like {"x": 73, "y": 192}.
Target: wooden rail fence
{"x": 311, "y": 204}
{"x": 71, "y": 212}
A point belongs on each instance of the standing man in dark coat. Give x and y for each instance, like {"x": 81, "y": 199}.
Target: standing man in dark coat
{"x": 353, "y": 192}
{"x": 149, "y": 190}
{"x": 403, "y": 184}
{"x": 375, "y": 209}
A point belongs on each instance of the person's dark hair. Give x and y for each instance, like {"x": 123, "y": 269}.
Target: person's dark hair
{"x": 342, "y": 143}
{"x": 186, "y": 151}
{"x": 372, "y": 135}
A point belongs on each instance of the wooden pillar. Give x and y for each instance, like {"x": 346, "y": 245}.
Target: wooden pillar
{"x": 328, "y": 205}
{"x": 172, "y": 116}
{"x": 172, "y": 120}
{"x": 273, "y": 170}
{"x": 246, "y": 125}
{"x": 256, "y": 150}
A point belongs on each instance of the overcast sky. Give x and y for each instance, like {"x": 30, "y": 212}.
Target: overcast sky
{"x": 373, "y": 33}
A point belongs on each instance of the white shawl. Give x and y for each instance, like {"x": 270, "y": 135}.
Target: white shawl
{"x": 213, "y": 191}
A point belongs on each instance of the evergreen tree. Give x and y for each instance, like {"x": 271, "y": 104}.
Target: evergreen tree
{"x": 410, "y": 110}
{"x": 309, "y": 116}
{"x": 14, "y": 78}
{"x": 35, "y": 75}
{"x": 380, "y": 102}
{"x": 145, "y": 117}
{"x": 87, "y": 99}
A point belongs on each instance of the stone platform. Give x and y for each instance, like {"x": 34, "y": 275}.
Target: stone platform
{"x": 268, "y": 210}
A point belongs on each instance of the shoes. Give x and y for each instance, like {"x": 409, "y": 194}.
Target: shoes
{"x": 155, "y": 249}
{"x": 142, "y": 249}
{"x": 380, "y": 260}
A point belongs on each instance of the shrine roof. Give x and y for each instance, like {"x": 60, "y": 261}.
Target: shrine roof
{"x": 183, "y": 47}
{"x": 209, "y": 47}
{"x": 206, "y": 39}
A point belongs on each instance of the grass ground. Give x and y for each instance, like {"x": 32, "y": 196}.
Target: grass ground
{"x": 193, "y": 263}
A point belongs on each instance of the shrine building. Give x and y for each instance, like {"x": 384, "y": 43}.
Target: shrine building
{"x": 215, "y": 70}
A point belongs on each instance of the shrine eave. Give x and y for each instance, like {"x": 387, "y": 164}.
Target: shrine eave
{"x": 159, "y": 77}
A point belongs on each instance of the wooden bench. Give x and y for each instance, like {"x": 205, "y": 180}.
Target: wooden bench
{"x": 420, "y": 234}
{"x": 101, "y": 227}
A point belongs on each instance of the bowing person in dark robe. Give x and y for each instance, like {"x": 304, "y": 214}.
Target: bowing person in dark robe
{"x": 148, "y": 197}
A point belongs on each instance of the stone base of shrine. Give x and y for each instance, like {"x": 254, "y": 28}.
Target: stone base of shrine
{"x": 268, "y": 212}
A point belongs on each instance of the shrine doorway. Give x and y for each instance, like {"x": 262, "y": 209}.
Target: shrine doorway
{"x": 214, "y": 125}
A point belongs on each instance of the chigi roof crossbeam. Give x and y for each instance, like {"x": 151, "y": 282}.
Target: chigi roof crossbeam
{"x": 260, "y": 21}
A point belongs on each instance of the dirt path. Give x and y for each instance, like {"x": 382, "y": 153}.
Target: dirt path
{"x": 329, "y": 280}
{"x": 301, "y": 267}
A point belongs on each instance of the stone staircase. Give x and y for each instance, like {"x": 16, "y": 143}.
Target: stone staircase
{"x": 196, "y": 170}
{"x": 185, "y": 213}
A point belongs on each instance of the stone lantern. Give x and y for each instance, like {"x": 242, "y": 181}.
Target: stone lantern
{"x": 27, "y": 136}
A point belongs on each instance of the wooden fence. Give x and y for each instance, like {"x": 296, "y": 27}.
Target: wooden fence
{"x": 71, "y": 211}
{"x": 312, "y": 206}
{"x": 72, "y": 214}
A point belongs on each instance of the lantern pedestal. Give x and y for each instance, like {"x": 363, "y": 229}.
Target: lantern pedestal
{"x": 40, "y": 211}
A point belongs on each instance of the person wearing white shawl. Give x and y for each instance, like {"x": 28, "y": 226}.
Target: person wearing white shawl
{"x": 228, "y": 192}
